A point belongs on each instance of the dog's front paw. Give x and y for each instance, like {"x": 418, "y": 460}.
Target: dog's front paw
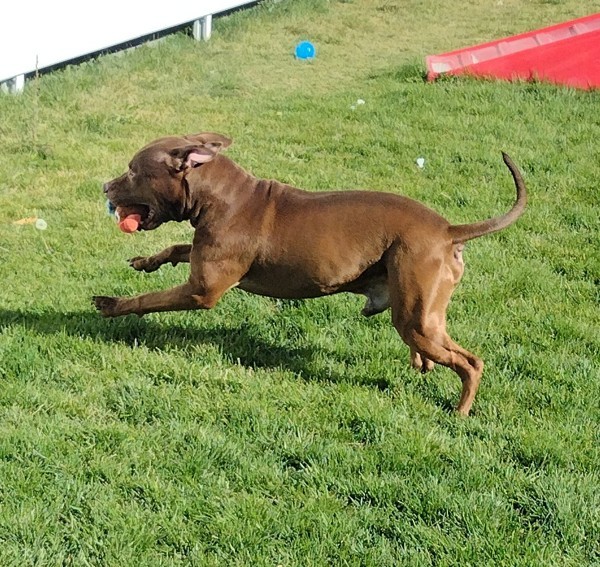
{"x": 145, "y": 263}
{"x": 108, "y": 306}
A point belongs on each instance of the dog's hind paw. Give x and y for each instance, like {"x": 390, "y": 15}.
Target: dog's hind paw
{"x": 421, "y": 363}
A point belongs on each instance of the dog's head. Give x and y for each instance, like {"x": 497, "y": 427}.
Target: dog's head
{"x": 155, "y": 185}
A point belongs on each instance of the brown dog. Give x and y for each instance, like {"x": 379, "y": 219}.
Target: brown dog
{"x": 272, "y": 239}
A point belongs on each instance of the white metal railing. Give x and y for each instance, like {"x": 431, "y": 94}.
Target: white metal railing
{"x": 37, "y": 34}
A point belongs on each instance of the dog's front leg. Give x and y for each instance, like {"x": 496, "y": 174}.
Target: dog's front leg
{"x": 175, "y": 299}
{"x": 191, "y": 295}
{"x": 179, "y": 253}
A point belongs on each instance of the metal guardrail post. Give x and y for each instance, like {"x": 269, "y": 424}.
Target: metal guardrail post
{"x": 203, "y": 28}
{"x": 14, "y": 85}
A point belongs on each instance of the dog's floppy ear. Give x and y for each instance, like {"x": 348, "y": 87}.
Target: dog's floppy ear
{"x": 203, "y": 147}
{"x": 210, "y": 138}
{"x": 193, "y": 155}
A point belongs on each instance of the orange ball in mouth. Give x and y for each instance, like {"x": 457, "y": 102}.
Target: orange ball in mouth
{"x": 130, "y": 223}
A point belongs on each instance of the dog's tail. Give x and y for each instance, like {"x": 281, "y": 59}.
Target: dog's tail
{"x": 463, "y": 232}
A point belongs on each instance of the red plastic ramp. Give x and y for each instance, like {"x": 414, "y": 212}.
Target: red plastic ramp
{"x": 567, "y": 54}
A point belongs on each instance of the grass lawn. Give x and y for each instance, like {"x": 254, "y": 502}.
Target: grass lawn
{"x": 263, "y": 432}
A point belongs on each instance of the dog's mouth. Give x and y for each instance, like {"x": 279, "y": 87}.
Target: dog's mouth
{"x": 145, "y": 213}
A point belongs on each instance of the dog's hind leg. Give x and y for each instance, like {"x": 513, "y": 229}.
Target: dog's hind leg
{"x": 420, "y": 288}
{"x": 439, "y": 348}
{"x": 419, "y": 362}
{"x": 177, "y": 254}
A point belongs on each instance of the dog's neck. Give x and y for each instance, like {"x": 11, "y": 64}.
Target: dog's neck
{"x": 216, "y": 191}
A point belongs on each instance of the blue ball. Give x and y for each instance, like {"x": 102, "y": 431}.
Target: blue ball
{"x": 305, "y": 50}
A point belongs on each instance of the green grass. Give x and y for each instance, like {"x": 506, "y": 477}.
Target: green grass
{"x": 287, "y": 433}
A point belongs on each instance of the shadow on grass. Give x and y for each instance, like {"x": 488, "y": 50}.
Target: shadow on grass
{"x": 242, "y": 344}
{"x": 412, "y": 72}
